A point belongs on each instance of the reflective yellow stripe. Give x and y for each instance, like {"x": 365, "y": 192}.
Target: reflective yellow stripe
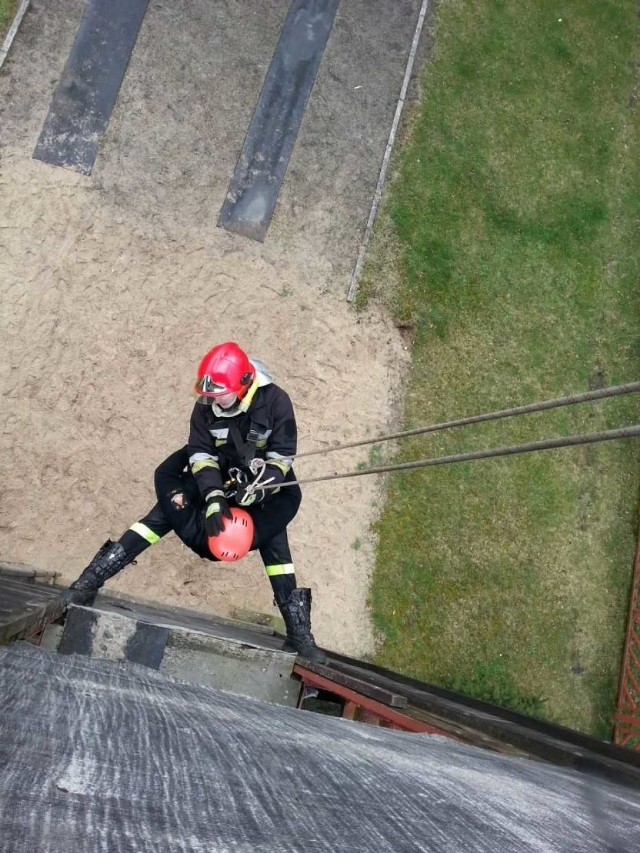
{"x": 204, "y": 463}
{"x": 145, "y": 532}
{"x": 283, "y": 466}
{"x": 284, "y": 569}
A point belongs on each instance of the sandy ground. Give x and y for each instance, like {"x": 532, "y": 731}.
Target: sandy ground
{"x": 114, "y": 285}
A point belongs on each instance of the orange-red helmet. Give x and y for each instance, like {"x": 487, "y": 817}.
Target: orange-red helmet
{"x": 236, "y": 539}
{"x": 225, "y": 373}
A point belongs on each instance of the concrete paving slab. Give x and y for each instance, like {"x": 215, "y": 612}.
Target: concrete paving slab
{"x": 231, "y": 665}
{"x": 242, "y": 663}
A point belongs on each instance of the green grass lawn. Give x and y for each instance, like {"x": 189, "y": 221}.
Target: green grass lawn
{"x": 7, "y": 11}
{"x": 509, "y": 250}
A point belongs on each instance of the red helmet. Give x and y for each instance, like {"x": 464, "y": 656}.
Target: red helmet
{"x": 236, "y": 539}
{"x": 223, "y": 371}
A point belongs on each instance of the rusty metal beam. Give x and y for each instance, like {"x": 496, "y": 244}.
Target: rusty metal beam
{"x": 360, "y": 686}
{"x": 356, "y": 700}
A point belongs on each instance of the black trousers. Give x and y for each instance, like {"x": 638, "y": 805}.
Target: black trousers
{"x": 180, "y": 508}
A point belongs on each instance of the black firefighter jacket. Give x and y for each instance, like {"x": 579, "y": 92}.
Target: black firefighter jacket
{"x": 219, "y": 443}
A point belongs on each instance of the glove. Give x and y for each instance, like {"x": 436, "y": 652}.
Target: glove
{"x": 217, "y": 510}
{"x": 244, "y": 498}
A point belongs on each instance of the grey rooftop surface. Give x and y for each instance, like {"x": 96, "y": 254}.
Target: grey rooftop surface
{"x": 102, "y": 756}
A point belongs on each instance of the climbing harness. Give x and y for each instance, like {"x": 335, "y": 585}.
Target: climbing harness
{"x": 238, "y": 477}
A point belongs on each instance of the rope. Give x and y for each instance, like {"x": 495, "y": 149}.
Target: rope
{"x": 512, "y": 450}
{"x": 601, "y": 393}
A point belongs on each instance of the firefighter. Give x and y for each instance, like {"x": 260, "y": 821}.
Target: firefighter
{"x": 243, "y": 436}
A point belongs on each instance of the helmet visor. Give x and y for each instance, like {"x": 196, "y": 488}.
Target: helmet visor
{"x": 207, "y": 391}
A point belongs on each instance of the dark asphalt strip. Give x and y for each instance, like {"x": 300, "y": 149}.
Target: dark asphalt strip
{"x": 86, "y": 93}
{"x": 255, "y": 186}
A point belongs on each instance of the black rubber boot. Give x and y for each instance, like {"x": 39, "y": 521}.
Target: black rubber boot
{"x": 109, "y": 560}
{"x": 296, "y": 612}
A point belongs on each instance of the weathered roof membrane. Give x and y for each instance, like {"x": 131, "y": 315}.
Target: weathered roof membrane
{"x": 102, "y": 756}
{"x": 26, "y": 607}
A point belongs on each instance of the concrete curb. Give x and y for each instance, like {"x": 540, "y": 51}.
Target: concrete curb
{"x": 377, "y": 197}
{"x": 13, "y": 29}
